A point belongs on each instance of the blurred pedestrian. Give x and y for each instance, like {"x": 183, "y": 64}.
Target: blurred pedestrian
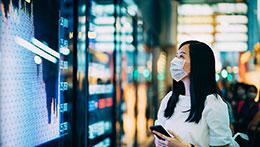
{"x": 239, "y": 95}
{"x": 254, "y": 130}
{"x": 247, "y": 109}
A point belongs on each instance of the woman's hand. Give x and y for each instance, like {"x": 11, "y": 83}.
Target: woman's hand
{"x": 160, "y": 143}
{"x": 175, "y": 141}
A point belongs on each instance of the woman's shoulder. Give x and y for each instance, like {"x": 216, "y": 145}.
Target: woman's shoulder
{"x": 215, "y": 102}
{"x": 168, "y": 95}
{"x": 166, "y": 98}
{"x": 214, "y": 99}
{"x": 217, "y": 119}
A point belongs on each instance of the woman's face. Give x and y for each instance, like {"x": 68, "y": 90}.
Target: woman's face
{"x": 241, "y": 93}
{"x": 251, "y": 93}
{"x": 184, "y": 53}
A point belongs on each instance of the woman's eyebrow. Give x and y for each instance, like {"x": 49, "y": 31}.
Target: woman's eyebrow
{"x": 183, "y": 52}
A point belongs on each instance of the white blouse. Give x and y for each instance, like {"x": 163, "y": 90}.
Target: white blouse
{"x": 213, "y": 128}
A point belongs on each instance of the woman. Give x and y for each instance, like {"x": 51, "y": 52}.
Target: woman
{"x": 247, "y": 112}
{"x": 193, "y": 111}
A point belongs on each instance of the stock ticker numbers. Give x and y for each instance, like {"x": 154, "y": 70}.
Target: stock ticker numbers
{"x": 64, "y": 66}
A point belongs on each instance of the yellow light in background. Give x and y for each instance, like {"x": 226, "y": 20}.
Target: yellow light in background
{"x": 141, "y": 119}
{"x": 195, "y": 20}
{"x": 257, "y": 96}
{"x": 92, "y": 35}
{"x": 102, "y": 57}
{"x": 231, "y": 19}
{"x": 252, "y": 77}
{"x": 245, "y": 57}
{"x": 2, "y": 9}
{"x": 235, "y": 28}
{"x": 129, "y": 115}
{"x": 202, "y": 28}
{"x": 257, "y": 47}
{"x": 161, "y": 63}
{"x": 70, "y": 35}
{"x": 28, "y": 1}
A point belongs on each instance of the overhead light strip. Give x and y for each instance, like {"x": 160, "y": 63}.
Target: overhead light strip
{"x": 34, "y": 49}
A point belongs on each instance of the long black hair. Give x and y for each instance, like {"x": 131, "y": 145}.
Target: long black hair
{"x": 202, "y": 81}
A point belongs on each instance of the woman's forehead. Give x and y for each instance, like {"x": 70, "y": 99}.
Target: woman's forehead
{"x": 184, "y": 48}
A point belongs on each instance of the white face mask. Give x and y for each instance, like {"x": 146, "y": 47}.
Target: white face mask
{"x": 176, "y": 69}
{"x": 252, "y": 95}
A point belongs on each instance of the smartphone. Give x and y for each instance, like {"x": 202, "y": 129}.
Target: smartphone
{"x": 160, "y": 129}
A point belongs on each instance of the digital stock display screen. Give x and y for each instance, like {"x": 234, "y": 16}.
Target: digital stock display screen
{"x": 100, "y": 74}
{"x": 32, "y": 82}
